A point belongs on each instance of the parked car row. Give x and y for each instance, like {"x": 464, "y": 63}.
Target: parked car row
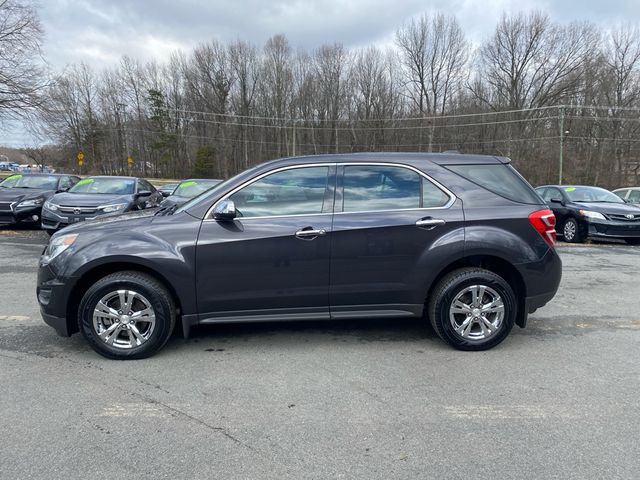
{"x": 57, "y": 200}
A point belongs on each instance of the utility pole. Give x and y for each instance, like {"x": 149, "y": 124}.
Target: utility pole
{"x": 294, "y": 137}
{"x": 561, "y": 144}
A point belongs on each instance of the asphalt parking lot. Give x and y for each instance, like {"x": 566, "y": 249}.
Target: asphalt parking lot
{"x": 383, "y": 399}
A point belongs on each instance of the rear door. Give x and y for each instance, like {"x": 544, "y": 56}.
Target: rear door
{"x": 388, "y": 220}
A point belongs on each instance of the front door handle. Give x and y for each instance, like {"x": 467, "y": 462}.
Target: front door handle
{"x": 430, "y": 223}
{"x": 310, "y": 233}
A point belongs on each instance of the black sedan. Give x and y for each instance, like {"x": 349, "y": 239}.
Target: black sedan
{"x": 591, "y": 212}
{"x": 95, "y": 196}
{"x": 22, "y": 196}
{"x": 188, "y": 189}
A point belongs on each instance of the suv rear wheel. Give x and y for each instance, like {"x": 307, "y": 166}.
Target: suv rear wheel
{"x": 127, "y": 315}
{"x": 472, "y": 309}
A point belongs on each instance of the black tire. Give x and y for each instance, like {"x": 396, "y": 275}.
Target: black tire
{"x": 571, "y": 231}
{"x": 152, "y": 290}
{"x": 632, "y": 241}
{"x": 446, "y": 291}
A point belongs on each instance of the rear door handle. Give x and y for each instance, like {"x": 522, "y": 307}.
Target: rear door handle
{"x": 310, "y": 233}
{"x": 430, "y": 223}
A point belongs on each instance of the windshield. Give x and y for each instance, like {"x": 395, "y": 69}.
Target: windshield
{"x": 30, "y": 181}
{"x": 193, "y": 188}
{"x": 591, "y": 194}
{"x": 120, "y": 186}
{"x": 212, "y": 192}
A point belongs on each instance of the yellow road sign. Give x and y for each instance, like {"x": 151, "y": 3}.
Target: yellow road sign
{"x": 130, "y": 161}
{"x": 80, "y": 157}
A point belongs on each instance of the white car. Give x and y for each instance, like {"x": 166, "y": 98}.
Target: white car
{"x": 629, "y": 194}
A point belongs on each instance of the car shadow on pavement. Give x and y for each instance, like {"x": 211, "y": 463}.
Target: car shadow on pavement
{"x": 364, "y": 330}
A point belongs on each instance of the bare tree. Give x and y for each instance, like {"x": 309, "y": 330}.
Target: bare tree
{"x": 434, "y": 54}
{"x": 23, "y": 74}
{"x": 532, "y": 62}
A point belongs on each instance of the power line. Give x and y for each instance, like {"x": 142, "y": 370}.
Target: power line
{"x": 388, "y": 119}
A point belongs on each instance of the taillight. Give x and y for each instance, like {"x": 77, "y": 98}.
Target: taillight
{"x": 544, "y": 221}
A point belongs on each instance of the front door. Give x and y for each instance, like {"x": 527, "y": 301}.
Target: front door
{"x": 272, "y": 261}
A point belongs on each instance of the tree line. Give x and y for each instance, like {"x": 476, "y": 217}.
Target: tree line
{"x": 534, "y": 90}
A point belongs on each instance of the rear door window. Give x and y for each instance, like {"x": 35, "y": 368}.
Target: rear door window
{"x": 500, "y": 179}
{"x": 369, "y": 188}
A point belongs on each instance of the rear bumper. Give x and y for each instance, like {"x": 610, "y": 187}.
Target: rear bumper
{"x": 541, "y": 281}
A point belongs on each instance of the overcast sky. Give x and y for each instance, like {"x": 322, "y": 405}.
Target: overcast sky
{"x": 99, "y": 32}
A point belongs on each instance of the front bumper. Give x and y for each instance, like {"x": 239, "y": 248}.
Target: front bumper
{"x": 55, "y": 221}
{"x": 613, "y": 229}
{"x": 18, "y": 215}
{"x": 53, "y": 295}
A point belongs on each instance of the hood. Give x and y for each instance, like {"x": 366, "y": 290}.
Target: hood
{"x": 11, "y": 195}
{"x": 614, "y": 208}
{"x": 126, "y": 221}
{"x": 89, "y": 199}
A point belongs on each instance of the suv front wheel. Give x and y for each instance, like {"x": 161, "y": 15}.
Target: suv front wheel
{"x": 472, "y": 309}
{"x": 127, "y": 315}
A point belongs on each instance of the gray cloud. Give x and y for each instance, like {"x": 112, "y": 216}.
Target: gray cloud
{"x": 99, "y": 32}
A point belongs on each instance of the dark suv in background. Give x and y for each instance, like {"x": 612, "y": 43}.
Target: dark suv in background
{"x": 462, "y": 240}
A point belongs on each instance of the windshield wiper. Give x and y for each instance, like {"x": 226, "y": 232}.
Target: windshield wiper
{"x": 166, "y": 210}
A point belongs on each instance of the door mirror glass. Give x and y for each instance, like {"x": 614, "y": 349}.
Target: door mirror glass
{"x": 225, "y": 210}
{"x": 555, "y": 200}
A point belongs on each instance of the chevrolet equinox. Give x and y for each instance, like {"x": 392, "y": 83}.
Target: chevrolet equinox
{"x": 462, "y": 241}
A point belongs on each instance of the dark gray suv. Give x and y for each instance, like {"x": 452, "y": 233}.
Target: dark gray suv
{"x": 460, "y": 240}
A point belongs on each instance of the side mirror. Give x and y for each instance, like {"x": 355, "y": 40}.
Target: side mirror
{"x": 225, "y": 211}
{"x": 557, "y": 200}
{"x": 144, "y": 193}
{"x": 164, "y": 193}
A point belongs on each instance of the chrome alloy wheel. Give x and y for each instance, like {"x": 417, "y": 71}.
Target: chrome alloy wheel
{"x": 124, "y": 319}
{"x": 476, "y": 313}
{"x": 569, "y": 231}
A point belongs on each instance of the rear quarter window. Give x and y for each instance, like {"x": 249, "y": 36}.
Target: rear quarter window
{"x": 500, "y": 179}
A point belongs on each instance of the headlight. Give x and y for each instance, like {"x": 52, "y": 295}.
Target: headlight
{"x": 58, "y": 245}
{"x": 116, "y": 207}
{"x": 31, "y": 203}
{"x": 592, "y": 215}
{"x": 50, "y": 206}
